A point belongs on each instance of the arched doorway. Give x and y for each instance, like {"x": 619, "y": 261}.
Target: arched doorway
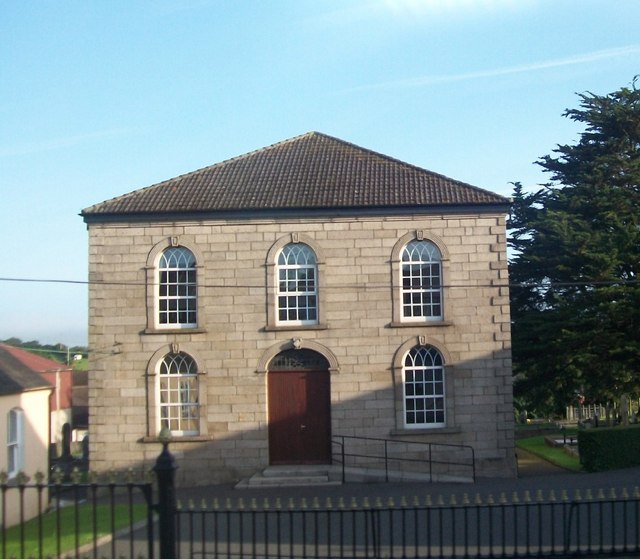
{"x": 299, "y": 407}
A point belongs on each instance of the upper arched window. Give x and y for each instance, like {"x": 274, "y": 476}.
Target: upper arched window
{"x": 424, "y": 388}
{"x": 297, "y": 285}
{"x": 421, "y": 281}
{"x": 177, "y": 289}
{"x": 178, "y": 394}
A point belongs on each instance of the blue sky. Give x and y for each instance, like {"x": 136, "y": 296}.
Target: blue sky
{"x": 99, "y": 98}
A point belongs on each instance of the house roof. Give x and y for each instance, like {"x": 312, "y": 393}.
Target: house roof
{"x": 16, "y": 371}
{"x": 36, "y": 363}
{"x": 312, "y": 172}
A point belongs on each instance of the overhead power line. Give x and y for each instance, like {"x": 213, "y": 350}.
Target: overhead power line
{"x": 368, "y": 285}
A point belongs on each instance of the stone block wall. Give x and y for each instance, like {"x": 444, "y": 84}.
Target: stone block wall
{"x": 357, "y": 327}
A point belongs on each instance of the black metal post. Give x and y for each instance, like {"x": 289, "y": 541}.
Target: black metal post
{"x": 165, "y": 469}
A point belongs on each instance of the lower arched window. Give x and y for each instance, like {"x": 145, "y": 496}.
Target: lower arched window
{"x": 178, "y": 394}
{"x": 424, "y": 388}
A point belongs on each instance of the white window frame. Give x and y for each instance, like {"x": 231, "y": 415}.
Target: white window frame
{"x": 421, "y": 296}
{"x": 296, "y": 267}
{"x": 15, "y": 442}
{"x": 424, "y": 388}
{"x": 177, "y": 291}
{"x": 178, "y": 394}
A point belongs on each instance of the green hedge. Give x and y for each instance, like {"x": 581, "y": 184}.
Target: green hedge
{"x": 609, "y": 448}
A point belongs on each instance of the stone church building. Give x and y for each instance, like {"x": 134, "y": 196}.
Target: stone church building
{"x": 305, "y": 298}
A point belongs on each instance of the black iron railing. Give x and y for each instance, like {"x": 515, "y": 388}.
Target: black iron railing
{"x": 438, "y": 461}
{"x": 460, "y": 526}
{"x": 75, "y": 519}
{"x": 607, "y": 527}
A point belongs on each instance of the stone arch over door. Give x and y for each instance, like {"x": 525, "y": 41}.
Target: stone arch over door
{"x": 299, "y": 407}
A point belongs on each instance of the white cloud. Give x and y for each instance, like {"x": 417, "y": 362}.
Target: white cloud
{"x": 415, "y": 10}
{"x": 587, "y": 58}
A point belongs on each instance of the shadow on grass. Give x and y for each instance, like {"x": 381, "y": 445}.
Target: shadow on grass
{"x": 65, "y": 529}
{"x": 557, "y": 455}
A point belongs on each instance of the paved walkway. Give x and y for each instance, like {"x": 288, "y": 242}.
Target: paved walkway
{"x": 535, "y": 476}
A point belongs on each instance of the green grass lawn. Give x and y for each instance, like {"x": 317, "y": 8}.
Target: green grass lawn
{"x": 67, "y": 518}
{"x": 555, "y": 455}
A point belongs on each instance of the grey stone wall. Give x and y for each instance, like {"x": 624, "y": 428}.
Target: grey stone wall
{"x": 235, "y": 337}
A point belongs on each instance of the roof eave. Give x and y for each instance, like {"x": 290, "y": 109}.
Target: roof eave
{"x": 283, "y": 213}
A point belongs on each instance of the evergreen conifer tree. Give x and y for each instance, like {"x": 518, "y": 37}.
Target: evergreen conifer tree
{"x": 575, "y": 296}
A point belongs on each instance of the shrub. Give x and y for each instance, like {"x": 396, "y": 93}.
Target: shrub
{"x": 609, "y": 448}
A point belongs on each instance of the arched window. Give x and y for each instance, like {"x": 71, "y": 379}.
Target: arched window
{"x": 424, "y": 388}
{"x": 297, "y": 287}
{"x": 15, "y": 442}
{"x": 177, "y": 289}
{"x": 178, "y": 394}
{"x": 421, "y": 282}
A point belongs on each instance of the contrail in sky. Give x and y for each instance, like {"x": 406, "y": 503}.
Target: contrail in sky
{"x": 496, "y": 72}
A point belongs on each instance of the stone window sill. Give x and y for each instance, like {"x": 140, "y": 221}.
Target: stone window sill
{"x": 432, "y": 431}
{"x": 425, "y": 324}
{"x": 296, "y": 328}
{"x": 178, "y": 439}
{"x": 155, "y": 331}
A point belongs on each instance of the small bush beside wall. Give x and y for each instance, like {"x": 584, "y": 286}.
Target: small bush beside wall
{"x": 609, "y": 449}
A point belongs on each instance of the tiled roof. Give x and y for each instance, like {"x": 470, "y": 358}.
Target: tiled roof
{"x": 311, "y": 172}
{"x": 15, "y": 375}
{"x": 36, "y": 363}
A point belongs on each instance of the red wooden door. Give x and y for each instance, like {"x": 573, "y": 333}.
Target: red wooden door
{"x": 299, "y": 417}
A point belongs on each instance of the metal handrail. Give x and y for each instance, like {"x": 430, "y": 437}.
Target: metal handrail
{"x": 340, "y": 440}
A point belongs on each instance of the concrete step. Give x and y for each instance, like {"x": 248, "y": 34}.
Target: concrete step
{"x": 290, "y": 476}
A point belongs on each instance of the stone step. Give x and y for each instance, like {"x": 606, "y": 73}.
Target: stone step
{"x": 289, "y": 476}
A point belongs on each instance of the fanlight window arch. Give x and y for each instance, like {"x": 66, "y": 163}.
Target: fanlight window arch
{"x": 177, "y": 289}
{"x": 178, "y": 394}
{"x": 424, "y": 388}
{"x": 299, "y": 360}
{"x": 421, "y": 281}
{"x": 297, "y": 285}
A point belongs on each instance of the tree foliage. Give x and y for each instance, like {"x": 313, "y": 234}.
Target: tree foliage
{"x": 575, "y": 260}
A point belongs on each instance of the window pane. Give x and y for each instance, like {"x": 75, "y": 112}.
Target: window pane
{"x": 424, "y": 387}
{"x": 420, "y": 281}
{"x": 177, "y": 287}
{"x": 178, "y": 394}
{"x": 296, "y": 273}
